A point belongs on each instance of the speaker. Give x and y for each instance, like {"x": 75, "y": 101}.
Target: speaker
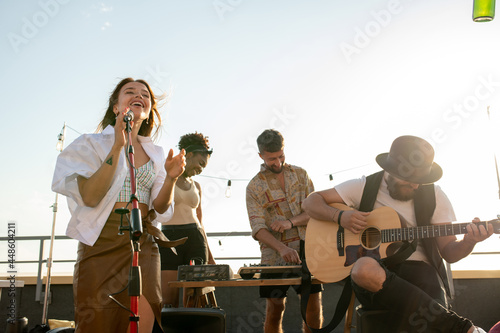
{"x": 19, "y": 325}
{"x": 203, "y": 272}
{"x": 374, "y": 321}
{"x": 193, "y": 320}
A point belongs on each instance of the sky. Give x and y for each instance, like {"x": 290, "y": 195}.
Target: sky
{"x": 340, "y": 79}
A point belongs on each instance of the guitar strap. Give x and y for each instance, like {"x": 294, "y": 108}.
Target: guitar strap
{"x": 368, "y": 200}
{"x": 370, "y": 191}
{"x": 366, "y": 205}
{"x": 424, "y": 204}
{"x": 340, "y": 309}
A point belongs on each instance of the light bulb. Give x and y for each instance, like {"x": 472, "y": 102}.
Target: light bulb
{"x": 60, "y": 139}
{"x": 228, "y": 189}
{"x": 59, "y": 146}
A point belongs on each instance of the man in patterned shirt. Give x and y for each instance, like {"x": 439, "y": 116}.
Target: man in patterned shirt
{"x": 274, "y": 198}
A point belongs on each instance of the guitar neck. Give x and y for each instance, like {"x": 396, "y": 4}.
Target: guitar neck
{"x": 431, "y": 231}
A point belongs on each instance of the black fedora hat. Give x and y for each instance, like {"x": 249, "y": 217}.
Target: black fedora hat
{"x": 411, "y": 159}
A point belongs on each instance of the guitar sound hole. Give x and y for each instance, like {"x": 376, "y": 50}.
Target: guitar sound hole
{"x": 370, "y": 238}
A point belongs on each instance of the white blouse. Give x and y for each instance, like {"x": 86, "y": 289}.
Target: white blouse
{"x": 82, "y": 158}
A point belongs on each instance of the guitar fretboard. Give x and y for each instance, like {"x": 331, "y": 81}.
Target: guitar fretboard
{"x": 409, "y": 234}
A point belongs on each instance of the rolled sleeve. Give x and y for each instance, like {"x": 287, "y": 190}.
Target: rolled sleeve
{"x": 310, "y": 186}
{"x": 255, "y": 213}
{"x": 78, "y": 159}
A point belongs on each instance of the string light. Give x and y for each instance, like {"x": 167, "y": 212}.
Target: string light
{"x": 62, "y": 135}
{"x": 330, "y": 175}
{"x": 229, "y": 181}
{"x": 228, "y": 189}
{"x": 227, "y": 193}
{"x": 60, "y": 139}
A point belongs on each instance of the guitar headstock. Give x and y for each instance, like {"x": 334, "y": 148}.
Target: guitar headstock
{"x": 496, "y": 225}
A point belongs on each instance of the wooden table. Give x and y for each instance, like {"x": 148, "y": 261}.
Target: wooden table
{"x": 200, "y": 293}
{"x": 196, "y": 288}
{"x": 238, "y": 283}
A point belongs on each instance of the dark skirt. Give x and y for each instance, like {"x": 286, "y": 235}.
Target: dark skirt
{"x": 103, "y": 269}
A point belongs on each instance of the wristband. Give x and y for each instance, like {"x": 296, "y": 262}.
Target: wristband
{"x": 291, "y": 222}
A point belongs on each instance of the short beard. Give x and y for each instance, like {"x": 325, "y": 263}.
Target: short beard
{"x": 395, "y": 190}
{"x": 274, "y": 171}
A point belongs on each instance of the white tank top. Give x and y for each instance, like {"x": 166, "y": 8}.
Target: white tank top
{"x": 186, "y": 202}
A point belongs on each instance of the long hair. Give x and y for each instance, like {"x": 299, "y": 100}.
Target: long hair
{"x": 154, "y": 120}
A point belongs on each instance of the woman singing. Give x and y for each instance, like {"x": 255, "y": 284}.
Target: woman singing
{"x": 94, "y": 173}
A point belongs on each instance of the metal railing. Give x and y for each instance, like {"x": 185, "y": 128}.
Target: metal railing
{"x": 42, "y": 261}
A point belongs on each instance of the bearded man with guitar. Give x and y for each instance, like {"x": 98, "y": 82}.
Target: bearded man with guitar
{"x": 413, "y": 282}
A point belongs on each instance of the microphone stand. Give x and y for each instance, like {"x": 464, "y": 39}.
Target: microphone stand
{"x": 135, "y": 228}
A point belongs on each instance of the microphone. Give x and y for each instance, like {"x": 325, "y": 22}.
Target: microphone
{"x": 129, "y": 116}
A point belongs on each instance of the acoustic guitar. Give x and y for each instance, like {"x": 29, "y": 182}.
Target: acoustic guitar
{"x": 331, "y": 250}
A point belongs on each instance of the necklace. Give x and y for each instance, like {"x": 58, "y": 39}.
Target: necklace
{"x": 185, "y": 179}
{"x": 185, "y": 184}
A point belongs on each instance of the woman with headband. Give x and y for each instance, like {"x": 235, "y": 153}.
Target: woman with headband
{"x": 187, "y": 219}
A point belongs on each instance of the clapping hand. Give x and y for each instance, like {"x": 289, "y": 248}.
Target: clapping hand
{"x": 174, "y": 165}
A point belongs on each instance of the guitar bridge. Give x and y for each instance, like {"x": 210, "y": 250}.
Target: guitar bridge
{"x": 340, "y": 241}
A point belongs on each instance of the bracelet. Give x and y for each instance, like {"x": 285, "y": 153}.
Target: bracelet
{"x": 340, "y": 215}
{"x": 335, "y": 213}
{"x": 291, "y": 222}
